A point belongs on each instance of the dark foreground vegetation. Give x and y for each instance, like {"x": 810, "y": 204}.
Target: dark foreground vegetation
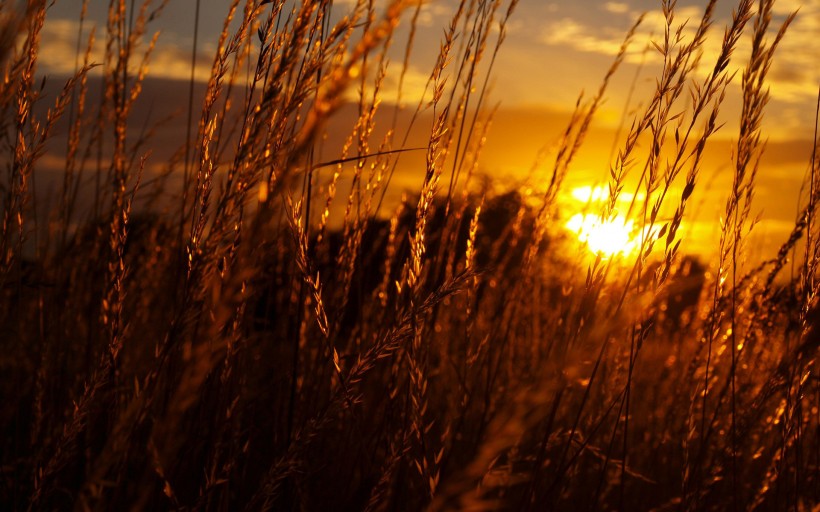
{"x": 254, "y": 326}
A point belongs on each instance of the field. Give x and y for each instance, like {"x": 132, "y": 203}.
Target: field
{"x": 270, "y": 319}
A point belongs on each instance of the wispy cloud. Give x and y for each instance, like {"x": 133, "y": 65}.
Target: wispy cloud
{"x": 591, "y": 35}
{"x": 616, "y": 7}
{"x": 581, "y": 36}
{"x": 414, "y": 87}
{"x": 58, "y": 53}
{"x": 435, "y": 14}
{"x": 795, "y": 73}
{"x": 432, "y": 14}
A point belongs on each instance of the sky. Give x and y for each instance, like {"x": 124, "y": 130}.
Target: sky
{"x": 563, "y": 47}
{"x": 554, "y": 50}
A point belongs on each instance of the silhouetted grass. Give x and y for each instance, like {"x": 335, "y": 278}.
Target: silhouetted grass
{"x": 252, "y": 328}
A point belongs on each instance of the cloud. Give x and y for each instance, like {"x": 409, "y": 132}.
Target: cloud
{"x": 785, "y": 7}
{"x": 594, "y": 37}
{"x": 432, "y": 14}
{"x": 582, "y": 37}
{"x": 58, "y": 51}
{"x": 171, "y": 58}
{"x": 795, "y": 72}
{"x": 616, "y": 7}
{"x": 435, "y": 14}
{"x": 414, "y": 88}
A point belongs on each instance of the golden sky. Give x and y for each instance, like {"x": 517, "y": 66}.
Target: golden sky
{"x": 553, "y": 51}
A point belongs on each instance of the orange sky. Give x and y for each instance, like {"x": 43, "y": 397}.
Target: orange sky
{"x": 554, "y": 50}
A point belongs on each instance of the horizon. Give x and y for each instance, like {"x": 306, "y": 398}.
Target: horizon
{"x": 532, "y": 113}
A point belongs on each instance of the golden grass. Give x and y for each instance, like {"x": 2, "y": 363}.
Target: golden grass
{"x": 255, "y": 335}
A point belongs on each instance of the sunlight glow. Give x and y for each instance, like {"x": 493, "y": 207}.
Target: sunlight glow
{"x": 600, "y": 193}
{"x": 610, "y": 238}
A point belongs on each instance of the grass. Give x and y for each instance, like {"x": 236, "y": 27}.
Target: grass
{"x": 253, "y": 328}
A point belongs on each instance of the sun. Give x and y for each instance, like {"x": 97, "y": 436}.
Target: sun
{"x": 607, "y": 238}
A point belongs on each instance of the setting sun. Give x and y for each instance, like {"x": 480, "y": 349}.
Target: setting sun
{"x": 609, "y": 238}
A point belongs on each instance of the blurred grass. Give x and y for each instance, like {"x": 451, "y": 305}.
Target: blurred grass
{"x": 252, "y": 329}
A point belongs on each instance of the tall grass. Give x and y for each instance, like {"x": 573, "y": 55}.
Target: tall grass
{"x": 252, "y": 328}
